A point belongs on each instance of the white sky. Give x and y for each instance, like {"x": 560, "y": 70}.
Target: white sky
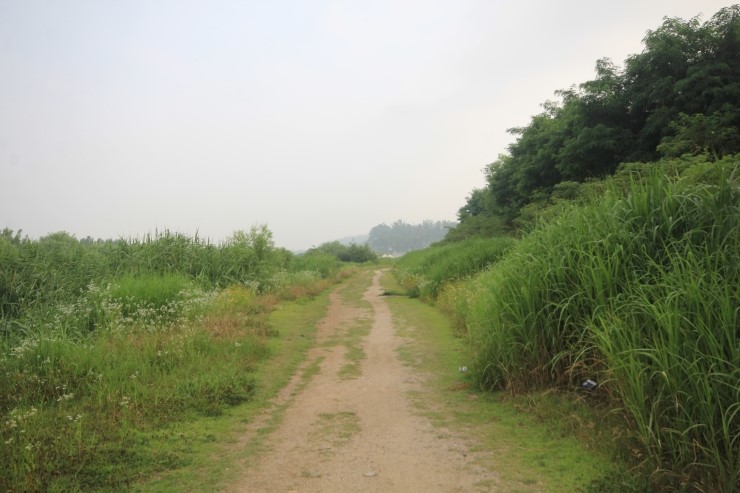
{"x": 319, "y": 118}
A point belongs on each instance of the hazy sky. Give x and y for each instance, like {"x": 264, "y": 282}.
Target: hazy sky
{"x": 319, "y": 118}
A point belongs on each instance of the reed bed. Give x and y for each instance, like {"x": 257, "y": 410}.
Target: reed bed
{"x": 104, "y": 344}
{"x": 642, "y": 295}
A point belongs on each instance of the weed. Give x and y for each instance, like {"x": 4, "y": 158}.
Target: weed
{"x": 106, "y": 345}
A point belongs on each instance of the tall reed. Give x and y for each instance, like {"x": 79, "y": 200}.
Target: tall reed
{"x": 58, "y": 267}
{"x": 641, "y": 293}
{"x": 425, "y": 272}
{"x": 101, "y": 343}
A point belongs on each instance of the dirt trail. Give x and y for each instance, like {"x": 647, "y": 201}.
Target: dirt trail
{"x": 359, "y": 433}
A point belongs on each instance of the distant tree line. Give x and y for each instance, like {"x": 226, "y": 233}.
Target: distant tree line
{"x": 401, "y": 237}
{"x": 346, "y": 253}
{"x": 679, "y": 96}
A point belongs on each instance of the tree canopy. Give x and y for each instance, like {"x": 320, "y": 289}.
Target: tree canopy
{"x": 401, "y": 237}
{"x": 679, "y": 95}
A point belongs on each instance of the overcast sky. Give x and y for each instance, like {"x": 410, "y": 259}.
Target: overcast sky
{"x": 319, "y": 118}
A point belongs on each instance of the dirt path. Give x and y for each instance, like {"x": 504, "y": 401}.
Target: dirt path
{"x": 351, "y": 427}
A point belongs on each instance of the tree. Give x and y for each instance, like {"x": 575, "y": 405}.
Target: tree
{"x": 716, "y": 135}
{"x": 681, "y": 94}
{"x": 402, "y": 237}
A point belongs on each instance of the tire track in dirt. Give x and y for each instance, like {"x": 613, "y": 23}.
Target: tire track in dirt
{"x": 360, "y": 434}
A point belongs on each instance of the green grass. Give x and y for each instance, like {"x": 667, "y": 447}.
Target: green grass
{"x": 638, "y": 290}
{"x": 528, "y": 440}
{"x": 425, "y": 272}
{"x": 353, "y": 292}
{"x": 109, "y": 348}
{"x": 150, "y": 291}
{"x": 214, "y": 462}
{"x": 36, "y": 274}
{"x": 76, "y": 408}
{"x": 640, "y": 293}
{"x": 101, "y": 408}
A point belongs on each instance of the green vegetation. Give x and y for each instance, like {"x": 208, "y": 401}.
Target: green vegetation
{"x": 535, "y": 442}
{"x": 625, "y": 272}
{"x": 637, "y": 290}
{"x": 401, "y": 237}
{"x": 680, "y": 95}
{"x": 641, "y": 294}
{"x": 213, "y": 450}
{"x": 625, "y": 197}
{"x": 346, "y": 253}
{"x": 108, "y": 346}
{"x": 424, "y": 272}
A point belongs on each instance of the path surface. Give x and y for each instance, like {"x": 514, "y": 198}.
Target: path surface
{"x": 346, "y": 431}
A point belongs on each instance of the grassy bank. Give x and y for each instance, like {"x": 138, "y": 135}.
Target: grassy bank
{"x": 542, "y": 441}
{"x": 107, "y": 345}
{"x": 82, "y": 412}
{"x": 637, "y": 291}
{"x": 213, "y": 450}
{"x": 424, "y": 273}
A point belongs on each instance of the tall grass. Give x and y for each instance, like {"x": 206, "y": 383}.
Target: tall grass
{"x": 425, "y": 272}
{"x": 150, "y": 291}
{"x": 641, "y": 293}
{"x": 58, "y": 267}
{"x": 73, "y": 402}
{"x": 104, "y": 342}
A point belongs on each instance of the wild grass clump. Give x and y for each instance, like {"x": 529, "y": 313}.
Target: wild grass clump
{"x": 104, "y": 344}
{"x": 56, "y": 268}
{"x": 323, "y": 263}
{"x": 424, "y": 273}
{"x": 154, "y": 290}
{"x": 640, "y": 293}
{"x": 70, "y": 401}
{"x": 149, "y": 291}
{"x": 36, "y": 273}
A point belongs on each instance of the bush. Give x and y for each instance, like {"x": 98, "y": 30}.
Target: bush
{"x": 346, "y": 253}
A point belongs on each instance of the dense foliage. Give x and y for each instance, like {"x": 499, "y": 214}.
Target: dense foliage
{"x": 425, "y": 272}
{"x": 626, "y": 196}
{"x": 637, "y": 290}
{"x": 58, "y": 267}
{"x": 680, "y": 95}
{"x": 346, "y": 253}
{"x": 106, "y": 344}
